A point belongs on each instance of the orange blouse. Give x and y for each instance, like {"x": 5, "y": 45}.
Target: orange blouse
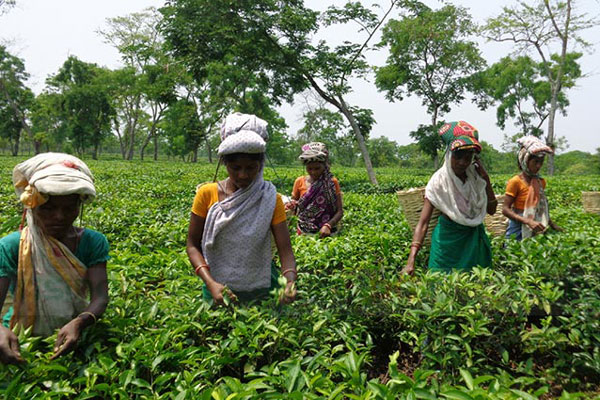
{"x": 300, "y": 187}
{"x": 519, "y": 189}
{"x": 208, "y": 194}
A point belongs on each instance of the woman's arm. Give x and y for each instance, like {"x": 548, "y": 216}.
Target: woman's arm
{"x": 419, "y": 235}
{"x": 194, "y": 251}
{"x": 9, "y": 343}
{"x": 492, "y": 202}
{"x": 508, "y": 212}
{"x": 325, "y": 230}
{"x": 286, "y": 256}
{"x": 69, "y": 334}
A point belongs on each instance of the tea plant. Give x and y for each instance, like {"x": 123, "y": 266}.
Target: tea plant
{"x": 525, "y": 328}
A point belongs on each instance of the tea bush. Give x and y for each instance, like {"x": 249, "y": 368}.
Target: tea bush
{"x": 526, "y": 328}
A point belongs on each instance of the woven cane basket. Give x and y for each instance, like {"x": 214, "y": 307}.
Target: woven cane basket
{"x": 496, "y": 224}
{"x": 591, "y": 202}
{"x": 412, "y": 201}
{"x": 8, "y": 302}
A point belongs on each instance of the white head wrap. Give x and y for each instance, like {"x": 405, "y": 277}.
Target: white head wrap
{"x": 243, "y": 133}
{"x": 531, "y": 146}
{"x": 464, "y": 203}
{"x": 54, "y": 174}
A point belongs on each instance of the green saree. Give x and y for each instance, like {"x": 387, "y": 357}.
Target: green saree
{"x": 455, "y": 246}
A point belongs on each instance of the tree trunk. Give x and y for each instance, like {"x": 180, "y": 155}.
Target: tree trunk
{"x": 436, "y": 158}
{"x": 155, "y": 137}
{"x": 195, "y": 153}
{"x": 360, "y": 139}
{"x": 208, "y": 149}
{"x": 550, "y": 136}
{"x": 14, "y": 149}
{"x": 95, "y": 152}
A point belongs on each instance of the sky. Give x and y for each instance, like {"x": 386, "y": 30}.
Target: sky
{"x": 44, "y": 33}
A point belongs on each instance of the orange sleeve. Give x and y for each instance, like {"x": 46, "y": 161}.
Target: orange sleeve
{"x": 279, "y": 212}
{"x": 543, "y": 183}
{"x": 338, "y": 191}
{"x": 513, "y": 186}
{"x": 296, "y": 189}
{"x": 206, "y": 196}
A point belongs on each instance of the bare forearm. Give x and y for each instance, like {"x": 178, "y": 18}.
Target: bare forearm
{"x": 336, "y": 218}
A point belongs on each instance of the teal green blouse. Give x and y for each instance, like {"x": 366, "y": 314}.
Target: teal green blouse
{"x": 92, "y": 250}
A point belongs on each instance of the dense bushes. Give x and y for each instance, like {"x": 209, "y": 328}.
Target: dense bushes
{"x": 525, "y": 328}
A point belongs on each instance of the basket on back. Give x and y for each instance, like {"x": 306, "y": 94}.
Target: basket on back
{"x": 412, "y": 201}
{"x": 496, "y": 224}
{"x": 591, "y": 202}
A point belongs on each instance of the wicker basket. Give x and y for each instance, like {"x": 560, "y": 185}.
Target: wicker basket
{"x": 496, "y": 224}
{"x": 8, "y": 302}
{"x": 591, "y": 202}
{"x": 411, "y": 201}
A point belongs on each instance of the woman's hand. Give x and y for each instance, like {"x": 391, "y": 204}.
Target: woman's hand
{"x": 556, "y": 227}
{"x": 291, "y": 205}
{"x": 535, "y": 226}
{"x": 67, "y": 337}
{"x": 481, "y": 169}
{"x": 217, "y": 292}
{"x": 9, "y": 347}
{"x": 325, "y": 231}
{"x": 409, "y": 269}
{"x": 289, "y": 293}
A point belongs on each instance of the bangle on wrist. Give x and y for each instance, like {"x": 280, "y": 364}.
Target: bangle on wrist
{"x": 199, "y": 268}
{"x": 91, "y": 314}
{"x": 416, "y": 244}
{"x": 285, "y": 271}
{"x": 327, "y": 224}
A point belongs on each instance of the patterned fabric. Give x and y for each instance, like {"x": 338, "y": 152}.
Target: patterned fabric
{"x": 536, "y": 204}
{"x": 236, "y": 239}
{"x": 531, "y": 146}
{"x": 314, "y": 151}
{"x": 460, "y": 135}
{"x": 243, "y": 133}
{"x": 51, "y": 288}
{"x": 318, "y": 205}
{"x": 464, "y": 203}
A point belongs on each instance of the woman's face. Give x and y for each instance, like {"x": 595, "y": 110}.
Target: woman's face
{"x": 242, "y": 171}
{"x": 534, "y": 164}
{"x": 460, "y": 161}
{"x": 58, "y": 214}
{"x": 315, "y": 169}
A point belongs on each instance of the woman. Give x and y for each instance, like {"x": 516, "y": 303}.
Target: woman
{"x": 462, "y": 191}
{"x": 50, "y": 264}
{"x": 228, "y": 240}
{"x": 525, "y": 202}
{"x": 317, "y": 197}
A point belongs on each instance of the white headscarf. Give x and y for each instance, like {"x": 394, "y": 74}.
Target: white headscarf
{"x": 243, "y": 133}
{"x": 52, "y": 174}
{"x": 464, "y": 203}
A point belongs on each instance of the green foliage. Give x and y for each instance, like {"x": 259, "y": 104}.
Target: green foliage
{"x": 383, "y": 151}
{"x": 518, "y": 86}
{"x": 430, "y": 57}
{"x": 15, "y": 98}
{"x": 81, "y": 92}
{"x": 527, "y": 327}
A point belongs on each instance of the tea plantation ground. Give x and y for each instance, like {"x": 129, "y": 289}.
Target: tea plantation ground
{"x": 527, "y": 328}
